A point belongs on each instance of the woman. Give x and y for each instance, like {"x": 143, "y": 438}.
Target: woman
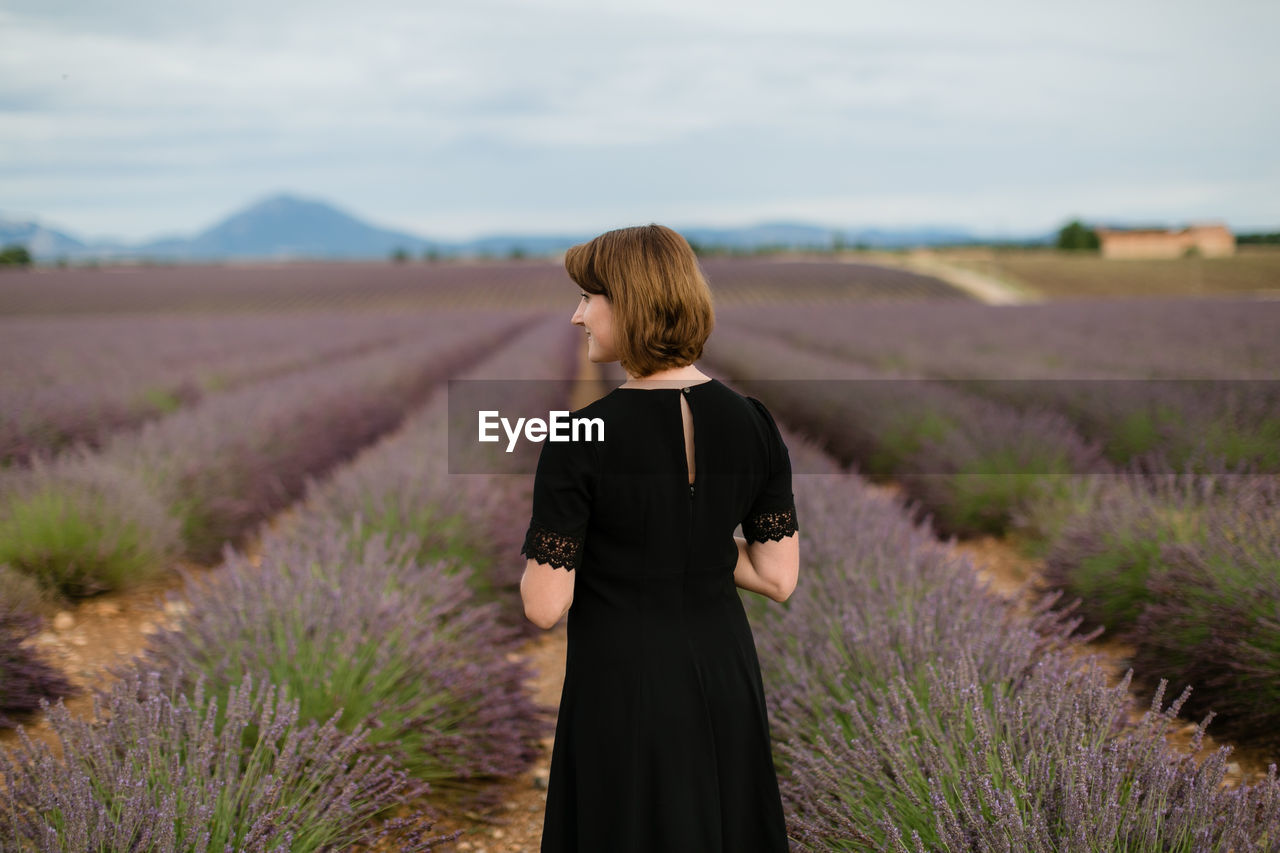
{"x": 662, "y": 743}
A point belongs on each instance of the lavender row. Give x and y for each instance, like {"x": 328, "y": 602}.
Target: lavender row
{"x": 404, "y": 485}
{"x": 536, "y": 284}
{"x": 78, "y": 379}
{"x": 360, "y": 630}
{"x": 184, "y": 485}
{"x": 162, "y": 772}
{"x": 1099, "y": 571}
{"x": 1129, "y": 403}
{"x": 1162, "y": 425}
{"x": 26, "y": 677}
{"x": 968, "y": 462}
{"x": 1104, "y": 534}
{"x": 1186, "y": 569}
{"x": 374, "y": 595}
{"x": 914, "y": 710}
{"x": 1112, "y": 339}
{"x": 333, "y": 286}
{"x": 1113, "y": 547}
{"x": 94, "y": 524}
{"x": 756, "y": 282}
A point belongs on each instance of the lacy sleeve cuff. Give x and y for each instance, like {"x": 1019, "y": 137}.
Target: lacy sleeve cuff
{"x": 770, "y": 525}
{"x": 556, "y": 549}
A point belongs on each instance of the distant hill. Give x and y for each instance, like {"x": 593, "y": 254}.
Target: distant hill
{"x": 287, "y": 226}
{"x": 800, "y": 235}
{"x": 40, "y": 241}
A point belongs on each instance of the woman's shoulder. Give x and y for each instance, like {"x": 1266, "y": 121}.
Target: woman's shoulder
{"x": 743, "y": 401}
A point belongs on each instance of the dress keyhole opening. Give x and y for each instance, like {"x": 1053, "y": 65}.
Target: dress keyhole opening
{"x": 686, "y": 422}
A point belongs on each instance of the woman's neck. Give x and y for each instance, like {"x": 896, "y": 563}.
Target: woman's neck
{"x": 666, "y": 377}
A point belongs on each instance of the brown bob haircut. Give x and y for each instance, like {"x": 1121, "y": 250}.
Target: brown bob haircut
{"x": 662, "y": 306}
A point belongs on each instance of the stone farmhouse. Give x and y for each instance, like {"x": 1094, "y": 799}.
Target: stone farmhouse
{"x": 1210, "y": 239}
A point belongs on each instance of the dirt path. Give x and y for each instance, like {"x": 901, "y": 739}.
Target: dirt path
{"x": 85, "y": 640}
{"x": 985, "y": 288}
{"x": 1006, "y": 570}
{"x": 516, "y": 825}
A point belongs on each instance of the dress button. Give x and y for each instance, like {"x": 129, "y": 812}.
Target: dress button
{"x": 685, "y": 390}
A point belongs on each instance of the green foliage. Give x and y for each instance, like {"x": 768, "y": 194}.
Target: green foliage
{"x": 1116, "y": 579}
{"x": 1040, "y": 521}
{"x": 84, "y": 531}
{"x": 1259, "y": 239}
{"x": 162, "y": 400}
{"x": 1214, "y": 620}
{"x": 15, "y": 255}
{"x": 1076, "y": 236}
{"x": 1113, "y": 583}
{"x": 1257, "y": 443}
{"x": 985, "y": 497}
{"x": 1138, "y": 432}
{"x": 400, "y": 255}
{"x": 904, "y": 433}
{"x": 362, "y": 634}
{"x": 437, "y": 534}
{"x": 21, "y": 593}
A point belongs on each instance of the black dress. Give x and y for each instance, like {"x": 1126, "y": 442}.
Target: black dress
{"x": 662, "y": 743}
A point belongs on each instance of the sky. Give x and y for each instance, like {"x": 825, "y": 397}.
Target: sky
{"x": 145, "y": 118}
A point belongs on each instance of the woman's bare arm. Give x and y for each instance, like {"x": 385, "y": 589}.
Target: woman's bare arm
{"x": 768, "y": 568}
{"x": 547, "y": 593}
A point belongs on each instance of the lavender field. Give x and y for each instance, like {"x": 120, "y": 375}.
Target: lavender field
{"x": 269, "y": 449}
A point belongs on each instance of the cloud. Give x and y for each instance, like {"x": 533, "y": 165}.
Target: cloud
{"x": 130, "y": 118}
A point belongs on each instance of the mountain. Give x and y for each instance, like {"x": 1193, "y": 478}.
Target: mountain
{"x": 40, "y": 241}
{"x": 287, "y": 226}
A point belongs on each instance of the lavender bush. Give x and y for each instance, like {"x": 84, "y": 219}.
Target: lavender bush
{"x": 913, "y": 710}
{"x": 1212, "y": 614}
{"x": 85, "y": 525}
{"x": 969, "y": 463}
{"x": 223, "y": 466}
{"x": 1188, "y": 423}
{"x": 232, "y": 466}
{"x": 162, "y": 771}
{"x": 390, "y": 643}
{"x": 1087, "y": 339}
{"x": 21, "y": 593}
{"x": 403, "y": 485}
{"x": 25, "y": 677}
{"x": 82, "y": 378}
{"x": 526, "y": 284}
{"x": 1068, "y": 348}
{"x": 1049, "y": 765}
{"x": 1111, "y": 552}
